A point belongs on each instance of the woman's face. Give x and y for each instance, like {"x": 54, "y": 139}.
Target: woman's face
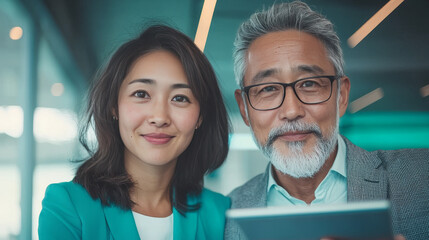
{"x": 157, "y": 111}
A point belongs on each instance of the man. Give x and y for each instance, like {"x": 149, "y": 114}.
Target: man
{"x": 289, "y": 65}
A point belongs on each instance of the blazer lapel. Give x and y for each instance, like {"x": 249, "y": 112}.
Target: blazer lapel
{"x": 261, "y": 189}
{"x": 185, "y": 227}
{"x": 121, "y": 223}
{"x": 366, "y": 176}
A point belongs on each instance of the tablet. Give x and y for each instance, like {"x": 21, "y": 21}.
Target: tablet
{"x": 358, "y": 220}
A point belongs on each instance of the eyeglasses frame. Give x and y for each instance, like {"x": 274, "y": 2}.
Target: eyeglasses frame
{"x": 331, "y": 78}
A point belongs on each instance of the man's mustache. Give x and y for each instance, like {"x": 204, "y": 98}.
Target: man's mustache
{"x": 293, "y": 127}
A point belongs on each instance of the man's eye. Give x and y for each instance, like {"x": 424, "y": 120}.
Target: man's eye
{"x": 309, "y": 84}
{"x": 180, "y": 98}
{"x": 141, "y": 94}
{"x": 269, "y": 89}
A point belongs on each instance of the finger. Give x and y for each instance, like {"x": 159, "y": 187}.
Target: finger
{"x": 399, "y": 237}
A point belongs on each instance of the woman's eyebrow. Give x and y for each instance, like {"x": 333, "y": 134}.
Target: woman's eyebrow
{"x": 153, "y": 82}
{"x": 180, "y": 85}
{"x": 142, "y": 80}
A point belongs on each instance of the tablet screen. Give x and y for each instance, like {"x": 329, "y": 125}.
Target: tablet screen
{"x": 358, "y": 220}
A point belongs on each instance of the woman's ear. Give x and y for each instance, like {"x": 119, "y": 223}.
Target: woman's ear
{"x": 114, "y": 114}
{"x": 199, "y": 122}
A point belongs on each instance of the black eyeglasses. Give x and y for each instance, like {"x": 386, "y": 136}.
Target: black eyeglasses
{"x": 310, "y": 90}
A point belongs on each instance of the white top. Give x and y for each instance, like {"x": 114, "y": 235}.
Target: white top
{"x": 154, "y": 228}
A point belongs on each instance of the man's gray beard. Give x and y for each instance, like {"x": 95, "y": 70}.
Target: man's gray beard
{"x": 297, "y": 163}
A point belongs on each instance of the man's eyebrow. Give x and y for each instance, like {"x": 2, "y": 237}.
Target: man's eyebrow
{"x": 314, "y": 69}
{"x": 142, "y": 80}
{"x": 263, "y": 74}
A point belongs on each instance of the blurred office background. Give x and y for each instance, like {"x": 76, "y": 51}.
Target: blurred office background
{"x": 51, "y": 49}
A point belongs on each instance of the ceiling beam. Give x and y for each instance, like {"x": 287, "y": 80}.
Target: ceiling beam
{"x": 48, "y": 28}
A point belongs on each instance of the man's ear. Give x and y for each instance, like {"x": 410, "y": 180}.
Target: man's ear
{"x": 241, "y": 105}
{"x": 344, "y": 95}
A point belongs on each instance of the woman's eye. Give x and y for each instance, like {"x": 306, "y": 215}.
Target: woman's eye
{"x": 141, "y": 94}
{"x": 180, "y": 98}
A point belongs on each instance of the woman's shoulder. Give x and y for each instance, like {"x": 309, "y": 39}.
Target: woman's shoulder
{"x": 212, "y": 210}
{"x": 69, "y": 193}
{"x": 64, "y": 208}
{"x": 209, "y": 194}
{"x": 210, "y": 199}
{"x": 66, "y": 188}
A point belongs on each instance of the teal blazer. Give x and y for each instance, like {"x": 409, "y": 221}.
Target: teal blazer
{"x": 69, "y": 212}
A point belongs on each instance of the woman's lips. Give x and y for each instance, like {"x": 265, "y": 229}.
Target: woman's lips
{"x": 157, "y": 138}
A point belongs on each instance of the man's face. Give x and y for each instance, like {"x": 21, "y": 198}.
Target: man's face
{"x": 285, "y": 57}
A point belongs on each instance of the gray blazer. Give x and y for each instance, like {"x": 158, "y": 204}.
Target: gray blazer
{"x": 402, "y": 176}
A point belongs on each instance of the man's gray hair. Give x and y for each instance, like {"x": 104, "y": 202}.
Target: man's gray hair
{"x": 286, "y": 16}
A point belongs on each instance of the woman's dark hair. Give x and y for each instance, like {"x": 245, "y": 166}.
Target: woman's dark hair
{"x": 103, "y": 175}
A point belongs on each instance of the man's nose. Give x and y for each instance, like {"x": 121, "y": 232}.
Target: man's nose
{"x": 292, "y": 107}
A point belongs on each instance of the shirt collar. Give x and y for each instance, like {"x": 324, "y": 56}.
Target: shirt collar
{"x": 339, "y": 165}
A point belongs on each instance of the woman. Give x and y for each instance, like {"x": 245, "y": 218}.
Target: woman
{"x": 160, "y": 125}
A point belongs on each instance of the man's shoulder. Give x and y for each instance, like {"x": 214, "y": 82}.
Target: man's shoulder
{"x": 405, "y": 162}
{"x": 251, "y": 193}
{"x": 408, "y": 154}
{"x": 412, "y": 157}
{"x": 401, "y": 161}
{"x": 389, "y": 157}
{"x": 408, "y": 176}
{"x": 246, "y": 188}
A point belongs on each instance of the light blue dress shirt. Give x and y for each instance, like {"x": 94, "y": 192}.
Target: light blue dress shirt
{"x": 333, "y": 188}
